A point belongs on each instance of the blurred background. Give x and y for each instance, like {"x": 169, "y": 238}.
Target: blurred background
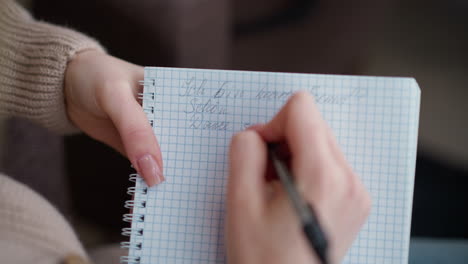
{"x": 427, "y": 40}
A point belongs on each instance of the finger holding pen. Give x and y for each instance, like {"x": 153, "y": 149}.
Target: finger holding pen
{"x": 323, "y": 178}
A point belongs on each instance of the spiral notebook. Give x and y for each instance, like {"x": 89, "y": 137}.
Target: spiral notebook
{"x": 195, "y": 112}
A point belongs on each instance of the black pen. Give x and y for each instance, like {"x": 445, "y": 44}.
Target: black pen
{"x": 310, "y": 224}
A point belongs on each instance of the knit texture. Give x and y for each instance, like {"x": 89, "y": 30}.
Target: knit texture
{"x": 33, "y": 60}
{"x": 32, "y": 230}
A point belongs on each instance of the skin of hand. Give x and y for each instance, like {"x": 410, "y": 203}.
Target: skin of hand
{"x": 101, "y": 94}
{"x": 261, "y": 225}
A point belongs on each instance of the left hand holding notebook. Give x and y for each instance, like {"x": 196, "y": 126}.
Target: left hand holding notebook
{"x": 261, "y": 224}
{"x": 101, "y": 96}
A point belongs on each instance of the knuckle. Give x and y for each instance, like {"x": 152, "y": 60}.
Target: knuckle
{"x": 301, "y": 97}
{"x": 298, "y": 101}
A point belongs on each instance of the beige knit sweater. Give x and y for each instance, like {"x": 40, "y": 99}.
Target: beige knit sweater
{"x": 32, "y": 230}
{"x": 33, "y": 59}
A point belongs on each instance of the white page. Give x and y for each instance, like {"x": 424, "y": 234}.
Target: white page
{"x": 195, "y": 113}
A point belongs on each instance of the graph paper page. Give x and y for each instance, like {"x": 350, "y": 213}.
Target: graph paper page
{"x": 194, "y": 114}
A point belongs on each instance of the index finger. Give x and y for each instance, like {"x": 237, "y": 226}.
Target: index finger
{"x": 300, "y": 125}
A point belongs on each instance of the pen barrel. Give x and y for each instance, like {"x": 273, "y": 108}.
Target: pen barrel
{"x": 316, "y": 238}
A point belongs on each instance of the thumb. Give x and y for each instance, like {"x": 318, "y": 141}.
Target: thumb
{"x": 248, "y": 162}
{"x": 137, "y": 136}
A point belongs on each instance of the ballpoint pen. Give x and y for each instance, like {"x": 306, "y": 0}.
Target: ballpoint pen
{"x": 310, "y": 224}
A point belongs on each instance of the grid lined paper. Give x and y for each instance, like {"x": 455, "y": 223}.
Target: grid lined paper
{"x": 195, "y": 113}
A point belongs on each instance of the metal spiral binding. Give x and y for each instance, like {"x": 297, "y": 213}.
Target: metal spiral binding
{"x": 130, "y": 260}
{"x": 148, "y": 82}
{"x": 134, "y": 190}
{"x": 139, "y": 191}
{"x": 133, "y": 177}
{"x": 128, "y": 231}
{"x": 133, "y": 218}
{"x": 130, "y": 245}
{"x": 149, "y": 109}
{"x": 144, "y": 96}
{"x": 130, "y": 204}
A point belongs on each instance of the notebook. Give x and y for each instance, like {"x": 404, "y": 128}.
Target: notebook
{"x": 194, "y": 114}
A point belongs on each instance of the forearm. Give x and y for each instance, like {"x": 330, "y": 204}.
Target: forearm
{"x": 33, "y": 60}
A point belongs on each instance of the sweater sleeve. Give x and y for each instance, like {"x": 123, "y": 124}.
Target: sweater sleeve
{"x": 32, "y": 230}
{"x": 33, "y": 59}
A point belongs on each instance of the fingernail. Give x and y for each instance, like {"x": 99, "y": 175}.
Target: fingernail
{"x": 150, "y": 170}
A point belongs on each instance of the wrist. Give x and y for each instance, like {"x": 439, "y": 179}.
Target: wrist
{"x": 78, "y": 73}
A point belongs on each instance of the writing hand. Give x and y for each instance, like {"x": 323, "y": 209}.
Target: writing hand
{"x": 262, "y": 226}
{"x": 101, "y": 93}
